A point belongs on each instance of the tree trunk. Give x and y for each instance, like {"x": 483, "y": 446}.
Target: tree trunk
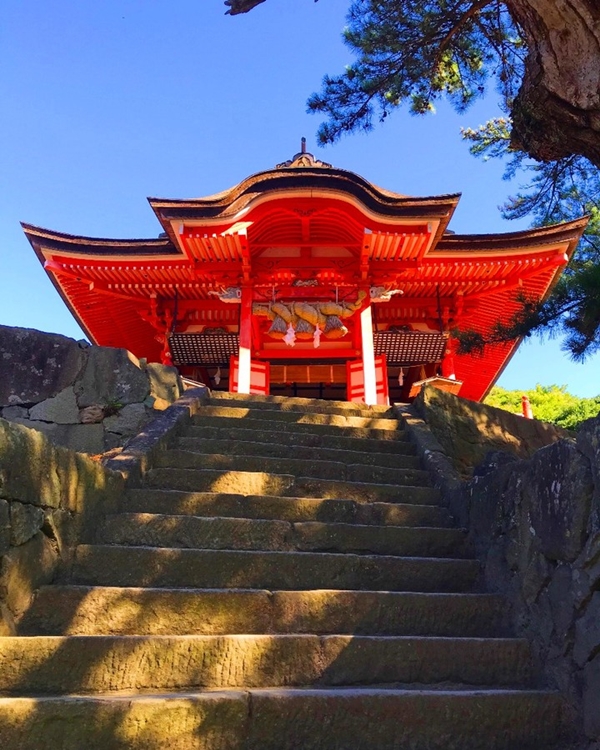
{"x": 241, "y": 6}
{"x": 557, "y": 110}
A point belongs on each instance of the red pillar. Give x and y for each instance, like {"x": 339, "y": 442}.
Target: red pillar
{"x": 448, "y": 368}
{"x": 526, "y": 406}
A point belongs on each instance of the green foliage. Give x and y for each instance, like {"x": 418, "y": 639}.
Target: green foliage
{"x": 550, "y": 403}
{"x": 418, "y": 53}
{"x": 573, "y": 311}
{"x": 557, "y": 191}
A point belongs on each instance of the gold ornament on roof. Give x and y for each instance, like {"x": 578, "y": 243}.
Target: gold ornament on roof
{"x": 303, "y": 159}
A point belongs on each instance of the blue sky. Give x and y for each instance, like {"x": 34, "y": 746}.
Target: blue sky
{"x": 107, "y": 103}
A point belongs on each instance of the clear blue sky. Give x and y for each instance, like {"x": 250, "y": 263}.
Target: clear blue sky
{"x": 106, "y": 103}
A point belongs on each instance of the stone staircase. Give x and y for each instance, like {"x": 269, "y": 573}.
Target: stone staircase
{"x": 285, "y": 579}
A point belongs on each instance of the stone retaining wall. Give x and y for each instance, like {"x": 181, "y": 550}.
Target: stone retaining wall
{"x": 87, "y": 398}
{"x": 52, "y": 497}
{"x": 534, "y": 523}
{"x": 49, "y": 497}
{"x": 468, "y": 430}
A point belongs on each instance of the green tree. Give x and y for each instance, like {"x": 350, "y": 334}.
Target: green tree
{"x": 557, "y": 191}
{"x": 551, "y": 403}
{"x": 543, "y": 56}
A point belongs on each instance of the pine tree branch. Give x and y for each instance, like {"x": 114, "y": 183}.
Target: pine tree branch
{"x": 466, "y": 16}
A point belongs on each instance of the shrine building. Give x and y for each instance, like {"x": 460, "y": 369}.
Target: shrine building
{"x": 307, "y": 280}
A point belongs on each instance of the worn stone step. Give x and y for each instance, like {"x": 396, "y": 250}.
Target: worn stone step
{"x": 305, "y": 453}
{"x": 396, "y": 443}
{"x": 263, "y": 483}
{"x": 288, "y": 719}
{"x": 102, "y": 664}
{"x": 113, "y": 565}
{"x": 283, "y": 508}
{"x": 345, "y": 471}
{"x": 363, "y": 719}
{"x": 200, "y": 721}
{"x": 286, "y": 419}
{"x": 156, "y": 530}
{"x": 332, "y": 429}
{"x": 292, "y": 403}
{"x": 85, "y": 610}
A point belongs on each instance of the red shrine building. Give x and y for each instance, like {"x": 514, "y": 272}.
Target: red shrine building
{"x": 307, "y": 280}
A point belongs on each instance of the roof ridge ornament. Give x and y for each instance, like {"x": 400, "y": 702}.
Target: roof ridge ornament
{"x": 303, "y": 159}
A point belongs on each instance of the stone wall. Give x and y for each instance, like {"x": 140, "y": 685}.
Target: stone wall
{"x": 534, "y": 523}
{"x": 87, "y": 398}
{"x": 468, "y": 430}
{"x": 49, "y": 497}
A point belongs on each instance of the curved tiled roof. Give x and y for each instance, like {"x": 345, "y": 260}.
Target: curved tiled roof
{"x": 305, "y": 220}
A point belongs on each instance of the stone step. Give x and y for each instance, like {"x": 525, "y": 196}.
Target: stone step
{"x": 102, "y": 664}
{"x": 262, "y": 483}
{"x": 288, "y": 719}
{"x": 294, "y": 509}
{"x": 305, "y": 453}
{"x": 345, "y": 471}
{"x": 113, "y": 565}
{"x": 291, "y": 403}
{"x": 287, "y": 419}
{"x": 260, "y": 426}
{"x": 395, "y": 443}
{"x": 154, "y": 530}
{"x": 84, "y": 610}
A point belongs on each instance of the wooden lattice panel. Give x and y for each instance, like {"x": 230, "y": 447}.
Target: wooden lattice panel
{"x": 203, "y": 348}
{"x": 407, "y": 348}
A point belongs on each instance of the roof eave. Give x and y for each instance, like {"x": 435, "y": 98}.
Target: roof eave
{"x": 568, "y": 233}
{"x": 95, "y": 246}
{"x": 226, "y": 205}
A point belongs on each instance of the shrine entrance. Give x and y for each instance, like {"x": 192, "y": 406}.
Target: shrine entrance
{"x": 401, "y": 359}
{"x": 307, "y": 280}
